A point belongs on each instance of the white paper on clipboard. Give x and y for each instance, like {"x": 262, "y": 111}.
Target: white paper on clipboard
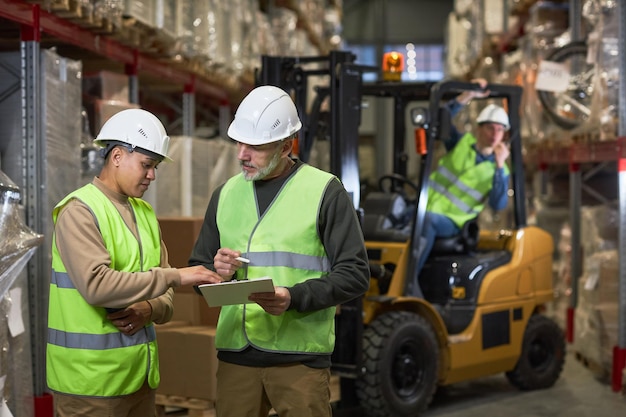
{"x": 234, "y": 292}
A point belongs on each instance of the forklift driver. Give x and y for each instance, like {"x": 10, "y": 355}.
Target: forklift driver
{"x": 472, "y": 172}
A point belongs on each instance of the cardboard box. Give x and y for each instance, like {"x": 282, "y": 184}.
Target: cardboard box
{"x": 169, "y": 342}
{"x": 107, "y": 85}
{"x": 188, "y": 362}
{"x": 192, "y": 308}
{"x": 179, "y": 235}
{"x": 200, "y": 359}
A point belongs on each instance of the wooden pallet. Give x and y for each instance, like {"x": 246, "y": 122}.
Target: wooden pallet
{"x": 148, "y": 40}
{"x": 82, "y": 14}
{"x": 195, "y": 407}
{"x": 599, "y": 372}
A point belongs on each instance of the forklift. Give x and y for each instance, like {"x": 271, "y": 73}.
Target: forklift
{"x": 476, "y": 307}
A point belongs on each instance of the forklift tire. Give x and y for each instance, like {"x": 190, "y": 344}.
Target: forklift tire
{"x": 542, "y": 357}
{"x": 400, "y": 366}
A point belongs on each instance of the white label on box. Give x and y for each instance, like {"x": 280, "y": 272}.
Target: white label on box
{"x": 4, "y": 410}
{"x": 16, "y": 323}
{"x": 552, "y": 76}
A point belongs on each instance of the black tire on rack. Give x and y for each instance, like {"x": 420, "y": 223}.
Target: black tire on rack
{"x": 569, "y": 109}
{"x": 543, "y": 355}
{"x": 400, "y": 359}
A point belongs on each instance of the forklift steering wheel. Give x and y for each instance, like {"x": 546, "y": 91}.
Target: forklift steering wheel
{"x": 396, "y": 185}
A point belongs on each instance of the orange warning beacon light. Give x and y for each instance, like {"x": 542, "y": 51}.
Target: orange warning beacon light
{"x": 393, "y": 65}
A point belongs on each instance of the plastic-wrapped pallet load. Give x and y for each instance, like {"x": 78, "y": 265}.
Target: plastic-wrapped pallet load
{"x": 18, "y": 240}
{"x": 194, "y": 36}
{"x": 59, "y": 110}
{"x": 183, "y": 188}
{"x": 168, "y": 17}
{"x": 17, "y": 246}
{"x": 61, "y": 121}
{"x": 596, "y": 316}
{"x": 142, "y": 11}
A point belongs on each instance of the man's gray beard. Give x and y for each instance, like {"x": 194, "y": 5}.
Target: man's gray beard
{"x": 264, "y": 172}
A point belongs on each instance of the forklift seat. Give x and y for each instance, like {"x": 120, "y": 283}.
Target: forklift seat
{"x": 464, "y": 242}
{"x": 384, "y": 217}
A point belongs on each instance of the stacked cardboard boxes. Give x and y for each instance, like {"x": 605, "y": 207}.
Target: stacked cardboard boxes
{"x": 187, "y": 352}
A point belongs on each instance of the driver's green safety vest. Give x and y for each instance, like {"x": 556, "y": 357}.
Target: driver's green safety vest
{"x": 283, "y": 244}
{"x": 86, "y": 354}
{"x": 459, "y": 187}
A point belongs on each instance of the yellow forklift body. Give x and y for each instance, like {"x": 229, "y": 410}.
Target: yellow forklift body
{"x": 468, "y": 357}
{"x": 529, "y": 273}
{"x": 514, "y": 290}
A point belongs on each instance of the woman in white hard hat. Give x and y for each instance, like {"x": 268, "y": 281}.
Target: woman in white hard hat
{"x": 111, "y": 280}
{"x": 473, "y": 172}
{"x": 293, "y": 223}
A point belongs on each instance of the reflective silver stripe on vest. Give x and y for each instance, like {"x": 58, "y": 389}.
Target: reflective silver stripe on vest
{"x": 100, "y": 341}
{"x": 472, "y": 192}
{"x": 289, "y": 259}
{"x": 61, "y": 280}
{"x": 455, "y": 200}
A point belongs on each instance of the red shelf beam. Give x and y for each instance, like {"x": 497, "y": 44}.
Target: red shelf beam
{"x": 613, "y": 150}
{"x": 68, "y": 32}
{"x": 600, "y": 151}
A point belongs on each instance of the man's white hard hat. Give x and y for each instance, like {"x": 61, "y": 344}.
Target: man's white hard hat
{"x": 137, "y": 128}
{"x": 267, "y": 114}
{"x": 494, "y": 114}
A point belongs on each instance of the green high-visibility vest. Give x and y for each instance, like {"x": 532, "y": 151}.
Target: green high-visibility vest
{"x": 86, "y": 354}
{"x": 458, "y": 188}
{"x": 283, "y": 244}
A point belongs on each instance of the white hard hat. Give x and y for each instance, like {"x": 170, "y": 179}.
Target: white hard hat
{"x": 267, "y": 114}
{"x": 137, "y": 128}
{"x": 494, "y": 114}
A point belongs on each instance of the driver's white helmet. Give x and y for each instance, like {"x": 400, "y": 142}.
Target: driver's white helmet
{"x": 137, "y": 128}
{"x": 494, "y": 114}
{"x": 267, "y": 114}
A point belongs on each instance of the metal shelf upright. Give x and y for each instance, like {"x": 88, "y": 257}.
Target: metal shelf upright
{"x": 598, "y": 153}
{"x": 619, "y": 352}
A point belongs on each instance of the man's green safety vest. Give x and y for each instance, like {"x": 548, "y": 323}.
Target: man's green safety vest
{"x": 86, "y": 354}
{"x": 283, "y": 244}
{"x": 458, "y": 188}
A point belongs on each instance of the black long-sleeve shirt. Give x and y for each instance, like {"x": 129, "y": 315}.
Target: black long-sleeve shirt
{"x": 341, "y": 235}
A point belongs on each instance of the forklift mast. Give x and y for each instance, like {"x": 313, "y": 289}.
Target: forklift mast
{"x": 344, "y": 92}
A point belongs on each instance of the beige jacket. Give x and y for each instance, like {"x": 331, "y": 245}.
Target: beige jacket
{"x": 87, "y": 261}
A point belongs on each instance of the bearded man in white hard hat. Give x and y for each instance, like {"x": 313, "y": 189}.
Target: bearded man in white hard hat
{"x": 111, "y": 279}
{"x": 283, "y": 219}
{"x": 471, "y": 174}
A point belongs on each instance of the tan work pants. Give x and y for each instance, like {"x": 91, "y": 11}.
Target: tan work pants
{"x": 138, "y": 404}
{"x": 292, "y": 390}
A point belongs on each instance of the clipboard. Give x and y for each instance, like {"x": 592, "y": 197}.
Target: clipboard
{"x": 234, "y": 292}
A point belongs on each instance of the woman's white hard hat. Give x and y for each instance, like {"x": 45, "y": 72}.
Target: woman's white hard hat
{"x": 494, "y": 114}
{"x": 139, "y": 129}
{"x": 267, "y": 114}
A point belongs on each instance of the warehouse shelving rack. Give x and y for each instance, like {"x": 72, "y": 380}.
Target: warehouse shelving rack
{"x": 593, "y": 154}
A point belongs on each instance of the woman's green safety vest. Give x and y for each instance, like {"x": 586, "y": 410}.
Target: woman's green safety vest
{"x": 283, "y": 244}
{"x": 86, "y": 354}
{"x": 458, "y": 188}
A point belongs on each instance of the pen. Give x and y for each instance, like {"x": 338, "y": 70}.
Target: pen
{"x": 244, "y": 260}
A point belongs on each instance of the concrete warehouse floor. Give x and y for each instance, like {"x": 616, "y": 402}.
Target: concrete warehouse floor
{"x": 577, "y": 393}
